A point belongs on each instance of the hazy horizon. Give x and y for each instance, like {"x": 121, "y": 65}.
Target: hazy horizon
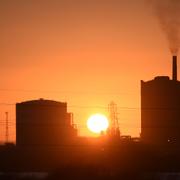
{"x": 86, "y": 53}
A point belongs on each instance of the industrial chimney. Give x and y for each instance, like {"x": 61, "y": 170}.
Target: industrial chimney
{"x": 174, "y": 68}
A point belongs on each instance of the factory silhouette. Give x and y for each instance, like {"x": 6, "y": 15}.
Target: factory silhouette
{"x": 160, "y": 109}
{"x": 44, "y": 122}
{"x": 47, "y": 138}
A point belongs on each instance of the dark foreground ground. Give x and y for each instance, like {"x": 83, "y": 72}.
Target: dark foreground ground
{"x": 124, "y": 161}
{"x": 89, "y": 174}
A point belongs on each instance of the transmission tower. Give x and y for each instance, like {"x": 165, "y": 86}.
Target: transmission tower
{"x": 7, "y": 127}
{"x": 114, "y": 121}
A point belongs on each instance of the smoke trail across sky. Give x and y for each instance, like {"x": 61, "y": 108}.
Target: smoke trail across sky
{"x": 168, "y": 13}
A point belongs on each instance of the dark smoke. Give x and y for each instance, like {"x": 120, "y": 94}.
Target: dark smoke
{"x": 168, "y": 13}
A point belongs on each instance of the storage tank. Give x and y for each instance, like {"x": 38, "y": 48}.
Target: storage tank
{"x": 43, "y": 122}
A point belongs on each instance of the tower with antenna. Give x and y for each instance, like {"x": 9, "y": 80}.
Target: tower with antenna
{"x": 114, "y": 130}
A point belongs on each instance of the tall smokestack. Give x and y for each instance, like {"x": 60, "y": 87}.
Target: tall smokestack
{"x": 174, "y": 68}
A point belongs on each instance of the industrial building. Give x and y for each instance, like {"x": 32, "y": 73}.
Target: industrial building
{"x": 160, "y": 109}
{"x": 43, "y": 122}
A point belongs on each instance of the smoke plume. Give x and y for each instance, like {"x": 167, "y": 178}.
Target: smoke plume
{"x": 168, "y": 13}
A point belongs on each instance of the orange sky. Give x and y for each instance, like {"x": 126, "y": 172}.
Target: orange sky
{"x": 85, "y": 52}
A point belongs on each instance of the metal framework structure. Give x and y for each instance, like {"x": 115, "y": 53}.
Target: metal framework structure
{"x": 114, "y": 129}
{"x": 7, "y": 127}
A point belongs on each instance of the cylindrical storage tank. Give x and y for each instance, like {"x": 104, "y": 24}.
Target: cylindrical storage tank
{"x": 42, "y": 122}
{"x": 160, "y": 115}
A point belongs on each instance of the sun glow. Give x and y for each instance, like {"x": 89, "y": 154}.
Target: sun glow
{"x": 97, "y": 123}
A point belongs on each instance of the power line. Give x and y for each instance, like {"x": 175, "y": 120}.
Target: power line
{"x": 7, "y": 104}
{"x": 103, "y": 107}
{"x": 55, "y": 125}
{"x": 66, "y": 91}
{"x": 73, "y": 106}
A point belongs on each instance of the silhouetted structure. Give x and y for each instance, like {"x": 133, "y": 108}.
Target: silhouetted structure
{"x": 7, "y": 127}
{"x": 114, "y": 130}
{"x": 43, "y": 122}
{"x": 160, "y": 109}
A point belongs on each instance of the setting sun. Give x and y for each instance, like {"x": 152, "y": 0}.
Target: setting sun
{"x": 97, "y": 123}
